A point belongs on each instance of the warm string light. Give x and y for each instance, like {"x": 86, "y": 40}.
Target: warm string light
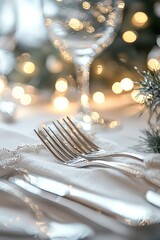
{"x": 139, "y": 19}
{"x": 75, "y": 24}
{"x": 86, "y": 5}
{"x": 61, "y": 103}
{"x": 99, "y": 69}
{"x": 126, "y": 84}
{"x": 153, "y": 64}
{"x": 18, "y": 92}
{"x": 129, "y": 36}
{"x": 25, "y": 94}
{"x": 26, "y": 99}
{"x": 61, "y": 85}
{"x": 84, "y": 100}
{"x": 116, "y": 88}
{"x": 26, "y": 65}
{"x": 98, "y": 97}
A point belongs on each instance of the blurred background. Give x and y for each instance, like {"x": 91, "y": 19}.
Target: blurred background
{"x": 36, "y": 64}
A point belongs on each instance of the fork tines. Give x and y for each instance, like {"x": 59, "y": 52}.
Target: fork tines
{"x": 65, "y": 140}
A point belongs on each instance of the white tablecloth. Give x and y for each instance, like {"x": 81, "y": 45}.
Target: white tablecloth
{"x": 127, "y": 135}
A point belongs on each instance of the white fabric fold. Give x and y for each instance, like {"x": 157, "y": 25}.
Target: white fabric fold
{"x": 102, "y": 181}
{"x": 105, "y": 181}
{"x": 152, "y": 160}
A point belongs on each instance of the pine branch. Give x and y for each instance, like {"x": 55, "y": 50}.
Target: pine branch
{"x": 149, "y": 87}
{"x": 151, "y": 140}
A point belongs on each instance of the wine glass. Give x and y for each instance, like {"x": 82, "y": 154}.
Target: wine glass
{"x": 83, "y": 29}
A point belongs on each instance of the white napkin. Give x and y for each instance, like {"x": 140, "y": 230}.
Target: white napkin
{"x": 105, "y": 181}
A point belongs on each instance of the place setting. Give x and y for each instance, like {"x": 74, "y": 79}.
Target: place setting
{"x": 82, "y": 184}
{"x": 79, "y": 120}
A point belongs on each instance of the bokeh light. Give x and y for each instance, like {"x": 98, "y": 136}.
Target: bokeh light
{"x": 25, "y": 99}
{"x": 29, "y": 67}
{"x": 90, "y": 29}
{"x": 116, "y": 88}
{"x": 84, "y": 100}
{"x": 113, "y": 124}
{"x": 95, "y": 115}
{"x": 101, "y": 18}
{"x": 126, "y": 84}
{"x": 99, "y": 97}
{"x": 18, "y": 92}
{"x": 75, "y": 24}
{"x": 86, "y": 5}
{"x": 139, "y": 19}
{"x": 99, "y": 69}
{"x": 60, "y": 103}
{"x": 153, "y": 64}
{"x": 129, "y": 36}
{"x": 87, "y": 118}
{"x": 61, "y": 85}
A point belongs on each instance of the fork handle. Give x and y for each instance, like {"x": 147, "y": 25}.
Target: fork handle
{"x": 135, "y": 170}
{"x": 102, "y": 155}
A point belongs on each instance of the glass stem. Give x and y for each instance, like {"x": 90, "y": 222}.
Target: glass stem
{"x": 83, "y": 75}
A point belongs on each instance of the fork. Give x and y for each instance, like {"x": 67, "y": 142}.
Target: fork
{"x": 77, "y": 143}
{"x": 72, "y": 148}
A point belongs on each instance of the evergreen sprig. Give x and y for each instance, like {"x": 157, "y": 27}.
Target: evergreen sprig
{"x": 152, "y": 139}
{"x": 149, "y": 87}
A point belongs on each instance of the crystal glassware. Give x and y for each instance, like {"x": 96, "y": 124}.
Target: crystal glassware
{"x": 83, "y": 29}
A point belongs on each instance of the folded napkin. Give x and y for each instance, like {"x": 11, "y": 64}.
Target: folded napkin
{"x": 36, "y": 158}
{"x": 108, "y": 182}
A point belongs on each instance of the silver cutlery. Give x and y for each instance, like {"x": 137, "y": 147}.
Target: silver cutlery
{"x": 72, "y": 148}
{"x": 75, "y": 143}
{"x": 95, "y": 216}
{"x": 117, "y": 209}
{"x": 40, "y": 226}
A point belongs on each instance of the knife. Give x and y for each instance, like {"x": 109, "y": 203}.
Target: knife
{"x": 125, "y": 212}
{"x": 96, "y": 218}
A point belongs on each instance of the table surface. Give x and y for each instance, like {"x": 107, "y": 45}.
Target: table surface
{"x": 119, "y": 108}
{"x": 30, "y": 117}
